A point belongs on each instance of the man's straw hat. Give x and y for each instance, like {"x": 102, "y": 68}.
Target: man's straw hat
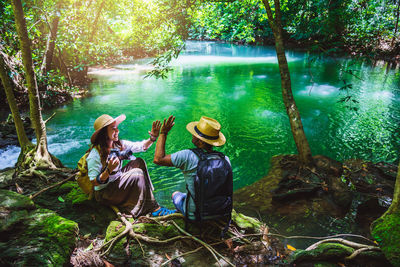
{"x": 207, "y": 130}
{"x": 103, "y": 121}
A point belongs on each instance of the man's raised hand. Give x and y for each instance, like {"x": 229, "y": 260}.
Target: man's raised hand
{"x": 167, "y": 125}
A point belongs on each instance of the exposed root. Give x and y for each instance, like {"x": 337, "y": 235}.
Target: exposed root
{"x": 342, "y": 241}
{"x": 207, "y": 246}
{"x": 52, "y": 186}
{"x": 358, "y": 251}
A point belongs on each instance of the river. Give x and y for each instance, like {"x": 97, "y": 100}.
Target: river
{"x": 240, "y": 87}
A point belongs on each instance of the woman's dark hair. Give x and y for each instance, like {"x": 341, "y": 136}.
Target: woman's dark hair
{"x": 101, "y": 141}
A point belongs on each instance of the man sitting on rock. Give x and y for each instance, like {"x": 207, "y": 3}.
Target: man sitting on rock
{"x": 207, "y": 173}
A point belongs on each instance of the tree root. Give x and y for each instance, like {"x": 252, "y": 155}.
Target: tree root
{"x": 208, "y": 247}
{"x": 52, "y": 186}
{"x": 181, "y": 255}
{"x": 342, "y": 241}
{"x": 251, "y": 246}
{"x": 359, "y": 248}
{"x": 129, "y": 231}
{"x": 358, "y": 251}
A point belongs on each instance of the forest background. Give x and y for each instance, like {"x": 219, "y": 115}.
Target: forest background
{"x": 69, "y": 36}
{"x": 65, "y": 38}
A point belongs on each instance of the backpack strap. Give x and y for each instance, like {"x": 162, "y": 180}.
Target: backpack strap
{"x": 198, "y": 202}
{"x": 199, "y": 153}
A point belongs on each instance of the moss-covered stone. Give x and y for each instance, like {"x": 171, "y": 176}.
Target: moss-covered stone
{"x": 328, "y": 253}
{"x": 14, "y": 201}
{"x": 245, "y": 222}
{"x": 69, "y": 201}
{"x": 324, "y": 251}
{"x": 386, "y": 231}
{"x": 34, "y": 237}
{"x": 75, "y": 194}
{"x": 6, "y": 177}
{"x": 154, "y": 254}
{"x": 118, "y": 253}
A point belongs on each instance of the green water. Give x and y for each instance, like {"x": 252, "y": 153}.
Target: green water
{"x": 240, "y": 87}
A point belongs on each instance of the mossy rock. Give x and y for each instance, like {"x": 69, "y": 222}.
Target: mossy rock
{"x": 6, "y": 177}
{"x": 71, "y": 202}
{"x": 245, "y": 222}
{"x": 75, "y": 194}
{"x": 13, "y": 201}
{"x": 325, "y": 251}
{"x": 155, "y": 253}
{"x": 14, "y": 209}
{"x": 328, "y": 253}
{"x": 34, "y": 237}
{"x": 386, "y": 231}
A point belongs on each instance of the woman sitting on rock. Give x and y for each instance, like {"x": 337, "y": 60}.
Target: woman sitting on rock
{"x": 127, "y": 187}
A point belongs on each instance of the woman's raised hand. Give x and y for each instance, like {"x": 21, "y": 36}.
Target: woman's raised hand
{"x": 167, "y": 125}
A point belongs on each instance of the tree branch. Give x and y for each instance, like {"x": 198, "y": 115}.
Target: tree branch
{"x": 49, "y": 118}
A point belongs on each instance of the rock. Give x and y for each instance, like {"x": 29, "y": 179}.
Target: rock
{"x": 292, "y": 190}
{"x": 6, "y": 176}
{"x": 330, "y": 254}
{"x": 33, "y": 236}
{"x": 373, "y": 185}
{"x": 71, "y": 202}
{"x": 8, "y": 142}
{"x": 258, "y": 196}
{"x": 130, "y": 252}
{"x": 386, "y": 231}
{"x": 245, "y": 222}
{"x": 368, "y": 211}
{"x": 368, "y": 177}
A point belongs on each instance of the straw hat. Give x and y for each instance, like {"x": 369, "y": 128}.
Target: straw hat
{"x": 103, "y": 121}
{"x": 207, "y": 130}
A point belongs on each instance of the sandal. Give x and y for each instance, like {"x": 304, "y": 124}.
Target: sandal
{"x": 162, "y": 212}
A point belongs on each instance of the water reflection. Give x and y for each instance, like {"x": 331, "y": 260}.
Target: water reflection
{"x": 240, "y": 87}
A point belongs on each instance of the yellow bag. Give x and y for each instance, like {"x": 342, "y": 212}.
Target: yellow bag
{"x": 82, "y": 177}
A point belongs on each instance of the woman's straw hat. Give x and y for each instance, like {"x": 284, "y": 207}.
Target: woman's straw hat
{"x": 103, "y": 121}
{"x": 207, "y": 130}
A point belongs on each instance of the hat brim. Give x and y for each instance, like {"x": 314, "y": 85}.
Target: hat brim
{"x": 118, "y": 119}
{"x": 218, "y": 142}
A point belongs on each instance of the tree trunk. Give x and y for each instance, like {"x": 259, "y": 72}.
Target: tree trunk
{"x": 50, "y": 45}
{"x": 386, "y": 229}
{"x": 42, "y": 156}
{"x": 296, "y": 125}
{"x": 395, "y": 206}
{"x": 23, "y": 140}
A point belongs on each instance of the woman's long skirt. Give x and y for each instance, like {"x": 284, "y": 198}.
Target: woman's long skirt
{"x": 131, "y": 192}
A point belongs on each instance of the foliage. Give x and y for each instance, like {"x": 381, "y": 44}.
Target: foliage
{"x": 242, "y": 21}
{"x": 92, "y": 33}
{"x": 338, "y": 23}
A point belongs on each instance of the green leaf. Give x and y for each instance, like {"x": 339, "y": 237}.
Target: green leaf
{"x": 61, "y": 199}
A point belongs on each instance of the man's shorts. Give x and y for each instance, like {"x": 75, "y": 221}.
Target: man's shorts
{"x": 179, "y": 201}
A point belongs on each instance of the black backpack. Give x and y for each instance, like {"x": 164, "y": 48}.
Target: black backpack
{"x": 213, "y": 187}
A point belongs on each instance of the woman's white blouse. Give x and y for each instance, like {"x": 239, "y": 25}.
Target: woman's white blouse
{"x": 94, "y": 162}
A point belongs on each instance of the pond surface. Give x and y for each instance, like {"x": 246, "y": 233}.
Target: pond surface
{"x": 240, "y": 87}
